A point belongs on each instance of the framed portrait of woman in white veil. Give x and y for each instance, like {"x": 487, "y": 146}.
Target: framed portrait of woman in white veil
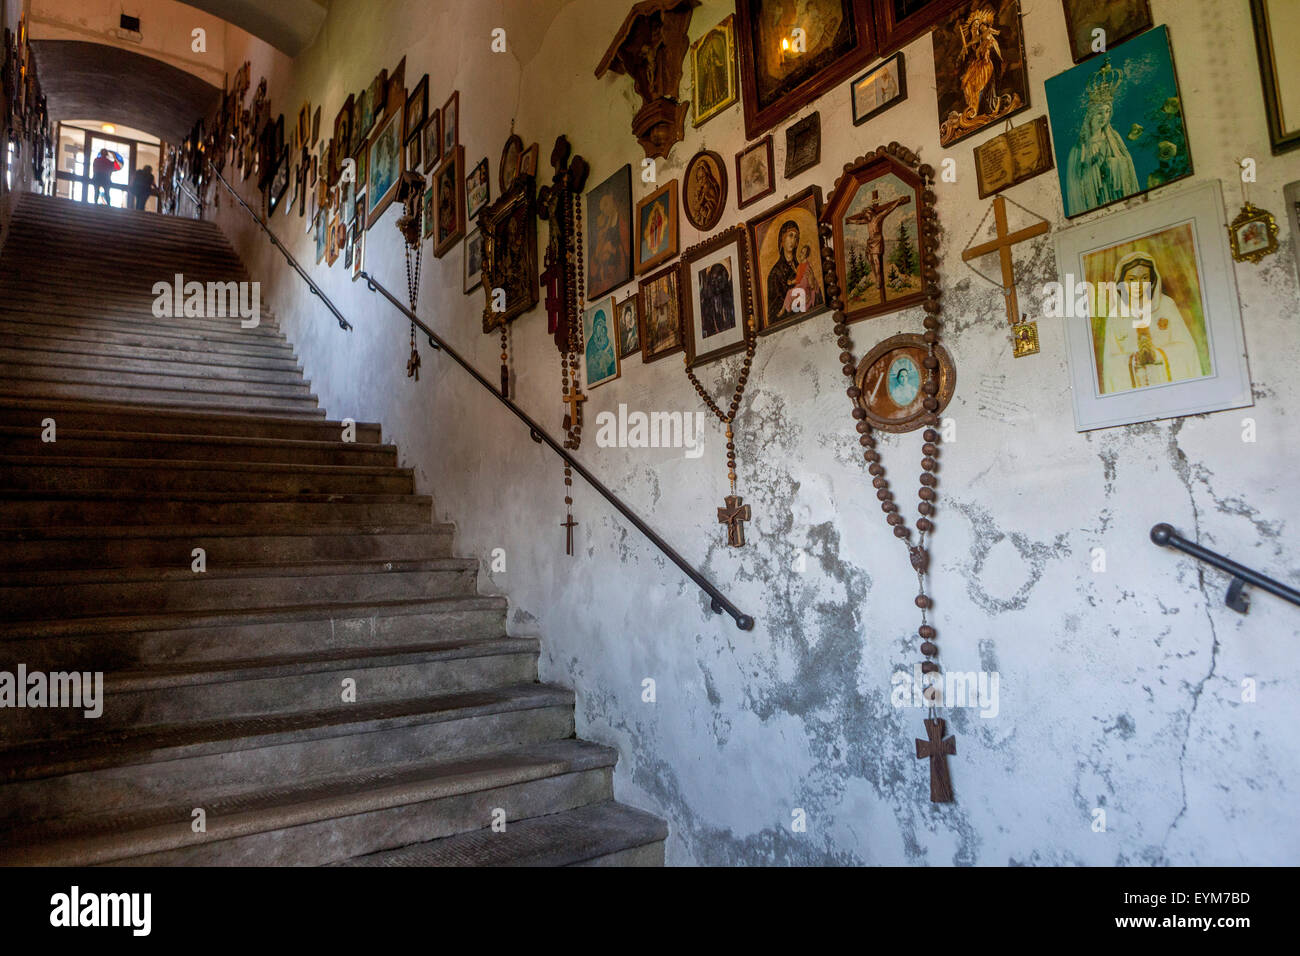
{"x": 1153, "y": 324}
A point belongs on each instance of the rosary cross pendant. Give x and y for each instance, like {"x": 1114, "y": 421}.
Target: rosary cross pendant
{"x": 568, "y": 537}
{"x": 734, "y": 516}
{"x": 413, "y": 365}
{"x": 937, "y": 748}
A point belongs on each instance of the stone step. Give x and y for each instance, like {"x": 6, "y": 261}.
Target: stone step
{"x": 330, "y": 820}
{"x": 165, "y": 397}
{"x": 54, "y": 308}
{"x": 78, "y": 443}
{"x": 69, "y": 474}
{"x": 156, "y": 547}
{"x": 60, "y": 594}
{"x": 235, "y": 383}
{"x": 192, "y": 763}
{"x": 90, "y": 332}
{"x": 103, "y": 417}
{"x": 67, "y": 350}
{"x": 38, "y": 508}
{"x": 69, "y": 364}
{"x": 183, "y": 694}
{"x": 598, "y": 834}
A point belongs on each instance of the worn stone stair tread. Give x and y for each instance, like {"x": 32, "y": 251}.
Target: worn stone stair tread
{"x": 67, "y": 436}
{"x": 222, "y": 496}
{"x": 217, "y": 672}
{"x": 187, "y": 464}
{"x": 104, "y": 837}
{"x": 57, "y": 532}
{"x": 133, "y": 623}
{"x": 157, "y": 744}
{"x": 168, "y": 399}
{"x": 47, "y": 577}
{"x": 567, "y": 838}
{"x": 171, "y": 421}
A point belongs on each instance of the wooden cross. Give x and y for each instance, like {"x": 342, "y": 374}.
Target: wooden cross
{"x": 936, "y": 748}
{"x": 413, "y": 365}
{"x": 734, "y": 516}
{"x": 1002, "y": 245}
{"x": 573, "y": 399}
{"x": 568, "y": 537}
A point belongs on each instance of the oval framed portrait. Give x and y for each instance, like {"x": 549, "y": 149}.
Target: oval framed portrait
{"x": 510, "y": 156}
{"x": 704, "y": 190}
{"x": 889, "y": 381}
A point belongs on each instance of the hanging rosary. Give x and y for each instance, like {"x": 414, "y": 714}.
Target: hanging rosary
{"x": 569, "y": 375}
{"x": 936, "y": 746}
{"x": 410, "y": 226}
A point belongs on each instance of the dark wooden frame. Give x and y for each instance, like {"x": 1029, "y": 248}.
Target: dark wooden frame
{"x": 493, "y": 218}
{"x": 772, "y": 212}
{"x": 857, "y": 176}
{"x": 419, "y": 97}
{"x": 458, "y": 159}
{"x": 454, "y": 98}
{"x": 382, "y": 203}
{"x": 759, "y": 121}
{"x": 947, "y": 374}
{"x": 813, "y": 121}
{"x": 643, "y": 314}
{"x": 432, "y": 157}
{"x": 704, "y": 225}
{"x": 1110, "y": 41}
{"x": 635, "y": 299}
{"x": 771, "y": 169}
{"x": 674, "y": 219}
{"x": 739, "y": 235}
{"x": 472, "y": 214}
{"x": 626, "y": 172}
{"x": 464, "y": 264}
{"x": 395, "y": 96}
{"x": 1282, "y": 140}
{"x": 502, "y": 182}
{"x": 343, "y": 125}
{"x": 902, "y": 89}
{"x": 894, "y": 34}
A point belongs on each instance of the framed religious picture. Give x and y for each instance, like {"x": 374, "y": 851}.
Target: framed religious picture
{"x": 413, "y": 153}
{"x": 349, "y": 244}
{"x": 1252, "y": 234}
{"x": 362, "y": 159}
{"x": 781, "y": 71}
{"x": 704, "y": 190}
{"x": 716, "y": 297}
{"x": 478, "y": 189}
{"x": 1277, "y": 29}
{"x": 713, "y": 65}
{"x": 874, "y": 214}
{"x": 656, "y": 227}
{"x": 528, "y": 162}
{"x": 385, "y": 167}
{"x": 377, "y": 98}
{"x": 280, "y": 184}
{"x": 363, "y": 118}
{"x": 1117, "y": 123}
{"x": 417, "y": 109}
{"x": 609, "y": 233}
{"x": 979, "y": 67}
{"x": 395, "y": 93}
{"x": 473, "y": 261}
{"x": 358, "y": 252}
{"x": 322, "y": 234}
{"x": 511, "y": 153}
{"x": 348, "y": 201}
{"x": 343, "y": 128}
{"x": 361, "y": 209}
{"x": 509, "y": 229}
{"x": 600, "y": 351}
{"x": 449, "y": 183}
{"x": 898, "y": 22}
{"x": 889, "y": 379}
{"x": 786, "y": 253}
{"x": 304, "y": 124}
{"x": 881, "y": 87}
{"x": 1116, "y": 19}
{"x": 428, "y": 212}
{"x": 1291, "y": 193}
{"x": 315, "y": 127}
{"x": 450, "y": 124}
{"x": 1161, "y": 332}
{"x": 333, "y": 247}
{"x": 755, "y": 173}
{"x": 803, "y": 145}
{"x": 629, "y": 326}
{"x": 432, "y": 136}
{"x": 660, "y": 308}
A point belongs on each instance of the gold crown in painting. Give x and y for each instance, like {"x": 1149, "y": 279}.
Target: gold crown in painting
{"x": 1103, "y": 86}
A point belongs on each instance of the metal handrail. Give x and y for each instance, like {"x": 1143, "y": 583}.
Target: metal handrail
{"x": 718, "y": 602}
{"x": 1165, "y": 535}
{"x": 344, "y": 324}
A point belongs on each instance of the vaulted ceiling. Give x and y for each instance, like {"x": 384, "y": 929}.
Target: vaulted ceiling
{"x": 100, "y": 82}
{"x": 288, "y": 25}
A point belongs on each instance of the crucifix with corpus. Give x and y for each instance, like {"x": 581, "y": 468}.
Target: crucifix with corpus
{"x": 1024, "y": 334}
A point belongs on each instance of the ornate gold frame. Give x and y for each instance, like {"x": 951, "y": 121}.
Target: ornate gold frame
{"x": 1252, "y": 213}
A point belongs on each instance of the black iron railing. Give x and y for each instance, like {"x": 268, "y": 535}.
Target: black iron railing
{"x": 717, "y": 600}
{"x": 1236, "y": 598}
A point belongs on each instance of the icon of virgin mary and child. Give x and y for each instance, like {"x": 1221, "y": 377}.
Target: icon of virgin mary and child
{"x": 792, "y": 287}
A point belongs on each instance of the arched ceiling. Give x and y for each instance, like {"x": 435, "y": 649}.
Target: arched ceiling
{"x": 288, "y": 25}
{"x": 95, "y": 81}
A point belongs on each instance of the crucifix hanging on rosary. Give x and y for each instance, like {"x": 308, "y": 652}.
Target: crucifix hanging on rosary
{"x": 1024, "y": 333}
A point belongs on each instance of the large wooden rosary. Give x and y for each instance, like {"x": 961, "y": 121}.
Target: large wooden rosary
{"x": 883, "y": 397}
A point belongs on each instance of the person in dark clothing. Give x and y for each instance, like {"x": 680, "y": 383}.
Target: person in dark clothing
{"x": 102, "y": 175}
{"x": 142, "y": 187}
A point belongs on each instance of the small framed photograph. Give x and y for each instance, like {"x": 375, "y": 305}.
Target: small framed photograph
{"x": 449, "y": 184}
{"x": 413, "y": 153}
{"x": 417, "y": 109}
{"x": 384, "y": 167}
{"x": 478, "y": 189}
{"x": 716, "y": 297}
{"x": 473, "y": 261}
{"x": 343, "y": 128}
{"x": 629, "y": 326}
{"x": 656, "y": 228}
{"x": 395, "y": 92}
{"x": 450, "y": 124}
{"x": 600, "y": 353}
{"x": 511, "y": 153}
{"x": 704, "y": 190}
{"x": 528, "y": 162}
{"x": 1161, "y": 336}
{"x": 358, "y": 252}
{"x": 878, "y": 89}
{"x": 321, "y": 226}
{"x": 713, "y": 64}
{"x": 337, "y": 233}
{"x": 1253, "y": 234}
{"x": 661, "y": 314}
{"x": 432, "y": 138}
{"x": 803, "y": 145}
{"x": 755, "y": 173}
{"x": 428, "y": 212}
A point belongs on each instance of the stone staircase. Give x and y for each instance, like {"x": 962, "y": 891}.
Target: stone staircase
{"x": 224, "y": 690}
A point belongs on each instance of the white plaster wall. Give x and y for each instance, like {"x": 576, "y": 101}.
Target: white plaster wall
{"x": 1119, "y": 691}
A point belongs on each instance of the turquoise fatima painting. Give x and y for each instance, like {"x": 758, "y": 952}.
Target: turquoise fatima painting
{"x": 1117, "y": 124}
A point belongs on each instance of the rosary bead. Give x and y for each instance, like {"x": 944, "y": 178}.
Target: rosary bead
{"x": 931, "y": 420}
{"x": 871, "y": 455}
{"x": 929, "y": 449}
{"x": 863, "y": 427}
{"x": 928, "y": 463}
{"x": 930, "y": 336}
{"x": 876, "y": 469}
{"x": 923, "y": 602}
{"x": 931, "y": 387}
{"x": 866, "y": 441}
{"x": 841, "y": 328}
{"x": 844, "y": 342}
{"x": 928, "y": 667}
{"x": 930, "y": 435}
{"x": 924, "y": 524}
{"x": 879, "y": 483}
{"x": 927, "y": 494}
{"x": 927, "y": 632}
{"x": 743, "y": 379}
{"x": 568, "y": 500}
{"x": 888, "y": 507}
{"x": 929, "y": 650}
{"x": 931, "y": 404}
{"x": 930, "y": 322}
{"x": 928, "y": 480}
{"x": 884, "y": 494}
{"x": 925, "y": 508}
{"x": 731, "y": 446}
{"x": 853, "y": 391}
{"x": 901, "y": 532}
{"x": 930, "y": 362}
{"x": 859, "y": 413}
{"x": 846, "y": 358}
{"x": 931, "y": 306}
{"x": 894, "y": 519}
{"x": 568, "y": 481}
{"x": 849, "y": 369}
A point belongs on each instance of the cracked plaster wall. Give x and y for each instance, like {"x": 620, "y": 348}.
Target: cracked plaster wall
{"x": 1118, "y": 690}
